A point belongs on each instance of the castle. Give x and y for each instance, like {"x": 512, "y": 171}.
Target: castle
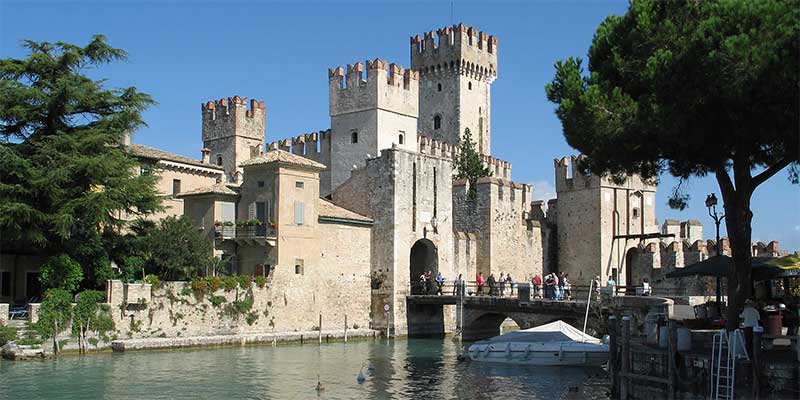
{"x": 349, "y": 217}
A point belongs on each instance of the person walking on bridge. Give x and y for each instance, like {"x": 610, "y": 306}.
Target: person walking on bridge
{"x": 537, "y": 286}
{"x": 501, "y": 283}
{"x": 492, "y": 282}
{"x": 439, "y": 283}
{"x": 480, "y": 281}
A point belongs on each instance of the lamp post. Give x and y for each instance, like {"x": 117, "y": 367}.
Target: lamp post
{"x": 711, "y": 204}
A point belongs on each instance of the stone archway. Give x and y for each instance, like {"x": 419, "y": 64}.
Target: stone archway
{"x": 630, "y": 258}
{"x": 424, "y": 257}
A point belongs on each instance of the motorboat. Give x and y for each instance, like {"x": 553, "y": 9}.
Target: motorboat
{"x": 555, "y": 344}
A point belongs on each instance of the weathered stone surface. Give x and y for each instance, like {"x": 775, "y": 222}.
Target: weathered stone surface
{"x": 12, "y": 351}
{"x": 4, "y": 307}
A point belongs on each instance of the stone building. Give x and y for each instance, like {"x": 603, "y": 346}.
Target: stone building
{"x": 353, "y": 214}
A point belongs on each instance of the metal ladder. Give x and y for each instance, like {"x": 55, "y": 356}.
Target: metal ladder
{"x": 724, "y": 353}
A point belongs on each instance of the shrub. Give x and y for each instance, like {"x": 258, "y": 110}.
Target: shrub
{"x": 61, "y": 272}
{"x": 230, "y": 283}
{"x": 242, "y": 306}
{"x": 214, "y": 283}
{"x": 7, "y": 334}
{"x": 216, "y": 300}
{"x": 251, "y": 318}
{"x": 261, "y": 281}
{"x": 153, "y": 280}
{"x": 245, "y": 281}
{"x": 198, "y": 285}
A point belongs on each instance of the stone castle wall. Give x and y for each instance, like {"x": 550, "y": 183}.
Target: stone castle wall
{"x": 233, "y": 132}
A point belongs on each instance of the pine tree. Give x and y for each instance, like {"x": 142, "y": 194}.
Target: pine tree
{"x": 64, "y": 177}
{"x": 468, "y": 164}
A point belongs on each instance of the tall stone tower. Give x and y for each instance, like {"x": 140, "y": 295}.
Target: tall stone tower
{"x": 599, "y": 222}
{"x": 233, "y": 133}
{"x": 370, "y": 115}
{"x": 456, "y": 73}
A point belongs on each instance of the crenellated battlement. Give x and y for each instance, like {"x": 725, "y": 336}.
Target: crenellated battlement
{"x": 353, "y": 76}
{"x": 386, "y": 86}
{"x": 231, "y": 107}
{"x": 570, "y": 177}
{"x": 455, "y": 49}
{"x": 231, "y": 116}
{"x": 314, "y": 146}
{"x": 499, "y": 168}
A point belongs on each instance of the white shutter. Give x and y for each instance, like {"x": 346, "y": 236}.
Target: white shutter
{"x": 251, "y": 211}
{"x": 299, "y": 211}
{"x": 228, "y": 211}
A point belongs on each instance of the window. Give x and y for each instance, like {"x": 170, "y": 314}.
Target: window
{"x": 400, "y": 138}
{"x": 354, "y": 137}
{"x": 500, "y": 192}
{"x": 146, "y": 169}
{"x": 299, "y": 212}
{"x": 219, "y": 160}
{"x": 438, "y": 87}
{"x": 176, "y": 187}
{"x": 437, "y": 122}
{"x": 469, "y": 85}
{"x": 261, "y": 184}
{"x": 298, "y": 266}
{"x": 299, "y": 185}
{"x": 5, "y": 283}
{"x": 635, "y": 212}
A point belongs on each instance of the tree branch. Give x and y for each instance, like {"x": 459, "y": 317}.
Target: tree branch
{"x": 725, "y": 184}
{"x": 769, "y": 172}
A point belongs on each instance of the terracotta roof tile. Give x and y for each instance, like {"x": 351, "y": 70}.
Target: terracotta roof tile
{"x": 328, "y": 209}
{"x": 157, "y": 154}
{"x": 283, "y": 157}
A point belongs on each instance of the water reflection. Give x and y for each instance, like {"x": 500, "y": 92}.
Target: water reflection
{"x": 414, "y": 368}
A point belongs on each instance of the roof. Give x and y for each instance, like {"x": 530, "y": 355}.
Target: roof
{"x": 282, "y": 156}
{"x": 329, "y": 210}
{"x": 157, "y": 154}
{"x": 217, "y": 188}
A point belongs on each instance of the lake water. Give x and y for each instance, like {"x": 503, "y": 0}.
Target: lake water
{"x": 413, "y": 368}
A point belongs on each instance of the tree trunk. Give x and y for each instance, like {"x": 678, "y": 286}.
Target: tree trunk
{"x": 738, "y": 222}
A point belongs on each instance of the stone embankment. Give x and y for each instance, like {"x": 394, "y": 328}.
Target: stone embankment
{"x": 238, "y": 339}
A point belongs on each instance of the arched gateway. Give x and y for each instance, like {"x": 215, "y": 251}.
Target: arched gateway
{"x": 424, "y": 258}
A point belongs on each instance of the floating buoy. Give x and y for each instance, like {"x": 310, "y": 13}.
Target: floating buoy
{"x": 361, "y": 378}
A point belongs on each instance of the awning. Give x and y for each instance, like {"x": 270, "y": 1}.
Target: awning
{"x": 720, "y": 266}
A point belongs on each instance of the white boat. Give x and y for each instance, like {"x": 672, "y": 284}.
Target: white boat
{"x": 556, "y": 343}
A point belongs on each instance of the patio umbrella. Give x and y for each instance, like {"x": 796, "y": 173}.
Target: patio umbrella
{"x": 718, "y": 266}
{"x": 777, "y": 268}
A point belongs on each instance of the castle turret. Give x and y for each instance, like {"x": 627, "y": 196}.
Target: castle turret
{"x": 456, "y": 73}
{"x": 370, "y": 115}
{"x": 600, "y": 220}
{"x": 233, "y": 133}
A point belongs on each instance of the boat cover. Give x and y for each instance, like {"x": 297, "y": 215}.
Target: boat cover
{"x": 558, "y": 331}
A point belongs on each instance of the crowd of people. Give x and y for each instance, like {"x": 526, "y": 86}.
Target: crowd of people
{"x": 552, "y": 286}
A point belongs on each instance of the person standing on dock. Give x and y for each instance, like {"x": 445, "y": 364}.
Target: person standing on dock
{"x": 492, "y": 282}
{"x": 439, "y": 283}
{"x": 501, "y": 283}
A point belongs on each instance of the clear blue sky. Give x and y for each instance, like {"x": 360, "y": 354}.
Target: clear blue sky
{"x": 184, "y": 53}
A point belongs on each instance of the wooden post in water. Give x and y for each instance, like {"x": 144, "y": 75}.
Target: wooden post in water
{"x": 345, "y": 328}
{"x": 613, "y": 367}
{"x": 626, "y": 357}
{"x": 672, "y": 348}
{"x": 320, "y": 327}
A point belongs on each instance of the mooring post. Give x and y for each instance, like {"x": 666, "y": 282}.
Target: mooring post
{"x": 320, "y": 327}
{"x": 757, "y": 332}
{"x": 612, "y": 354}
{"x": 301, "y": 338}
{"x": 626, "y": 357}
{"x": 672, "y": 349}
{"x": 345, "y": 328}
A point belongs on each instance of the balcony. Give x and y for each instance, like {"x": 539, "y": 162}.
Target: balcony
{"x": 247, "y": 234}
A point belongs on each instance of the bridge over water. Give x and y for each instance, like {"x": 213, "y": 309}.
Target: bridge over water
{"x": 480, "y": 317}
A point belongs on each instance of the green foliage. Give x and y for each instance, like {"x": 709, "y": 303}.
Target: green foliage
{"x": 90, "y": 314}
{"x": 216, "y": 301}
{"x": 61, "y": 272}
{"x": 230, "y": 283}
{"x": 7, "y": 334}
{"x": 177, "y": 250}
{"x": 468, "y": 164}
{"x": 261, "y": 281}
{"x": 242, "y": 306}
{"x": 251, "y": 318}
{"x": 691, "y": 88}
{"x": 245, "y": 281}
{"x": 65, "y": 179}
{"x": 55, "y": 313}
{"x": 132, "y": 268}
{"x": 153, "y": 280}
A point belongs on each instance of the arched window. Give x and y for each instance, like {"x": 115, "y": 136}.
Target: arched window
{"x": 354, "y": 137}
{"x": 401, "y": 138}
{"x": 439, "y": 87}
{"x": 437, "y": 122}
{"x": 469, "y": 85}
{"x": 219, "y": 160}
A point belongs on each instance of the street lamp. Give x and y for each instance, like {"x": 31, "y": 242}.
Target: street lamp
{"x": 711, "y": 204}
